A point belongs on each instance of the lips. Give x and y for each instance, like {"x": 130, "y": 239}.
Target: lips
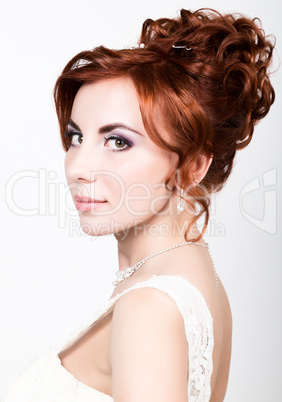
{"x": 87, "y": 204}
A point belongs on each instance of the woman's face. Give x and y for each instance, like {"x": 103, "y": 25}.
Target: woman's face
{"x": 115, "y": 172}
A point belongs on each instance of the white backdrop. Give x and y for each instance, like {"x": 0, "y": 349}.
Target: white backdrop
{"x": 52, "y": 277}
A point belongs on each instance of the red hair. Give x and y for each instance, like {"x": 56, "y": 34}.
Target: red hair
{"x": 203, "y": 74}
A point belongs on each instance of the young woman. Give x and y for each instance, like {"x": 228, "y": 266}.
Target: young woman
{"x": 149, "y": 133}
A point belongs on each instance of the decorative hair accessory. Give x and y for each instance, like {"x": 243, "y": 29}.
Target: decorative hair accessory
{"x": 138, "y": 46}
{"x": 180, "y": 206}
{"x": 181, "y": 47}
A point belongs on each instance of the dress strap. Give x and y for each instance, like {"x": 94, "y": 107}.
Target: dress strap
{"x": 198, "y": 324}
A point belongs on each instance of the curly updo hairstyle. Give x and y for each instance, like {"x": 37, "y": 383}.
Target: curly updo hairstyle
{"x": 202, "y": 77}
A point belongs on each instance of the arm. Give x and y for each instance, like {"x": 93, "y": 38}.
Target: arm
{"x": 149, "y": 351}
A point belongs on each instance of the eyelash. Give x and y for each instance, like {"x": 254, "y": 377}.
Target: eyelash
{"x": 118, "y": 137}
{"x": 70, "y": 134}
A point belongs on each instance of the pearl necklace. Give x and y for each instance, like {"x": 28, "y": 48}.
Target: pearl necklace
{"x": 126, "y": 273}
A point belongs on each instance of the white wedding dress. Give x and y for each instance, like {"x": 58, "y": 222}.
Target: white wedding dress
{"x": 46, "y": 380}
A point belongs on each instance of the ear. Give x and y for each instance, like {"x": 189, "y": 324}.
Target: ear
{"x": 195, "y": 170}
{"x": 200, "y": 167}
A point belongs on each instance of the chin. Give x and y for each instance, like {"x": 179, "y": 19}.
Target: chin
{"x": 95, "y": 230}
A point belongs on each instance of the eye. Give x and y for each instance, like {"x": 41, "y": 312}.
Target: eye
{"x": 75, "y": 137}
{"x": 117, "y": 143}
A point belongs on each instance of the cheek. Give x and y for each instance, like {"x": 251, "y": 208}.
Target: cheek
{"x": 113, "y": 188}
{"x": 148, "y": 169}
{"x": 143, "y": 200}
{"x": 143, "y": 184}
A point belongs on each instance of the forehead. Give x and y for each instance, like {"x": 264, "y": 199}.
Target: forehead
{"x": 110, "y": 99}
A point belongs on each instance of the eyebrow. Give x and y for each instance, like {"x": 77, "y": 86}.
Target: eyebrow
{"x": 110, "y": 127}
{"x": 107, "y": 128}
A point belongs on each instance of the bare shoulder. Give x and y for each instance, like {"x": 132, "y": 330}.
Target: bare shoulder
{"x": 147, "y": 310}
{"x": 149, "y": 352}
{"x": 143, "y": 297}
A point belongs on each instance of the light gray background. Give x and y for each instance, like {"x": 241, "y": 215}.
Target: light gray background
{"x": 52, "y": 277}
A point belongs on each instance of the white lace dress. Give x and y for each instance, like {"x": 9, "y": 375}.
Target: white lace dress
{"x": 47, "y": 380}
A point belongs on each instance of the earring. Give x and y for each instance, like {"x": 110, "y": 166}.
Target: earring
{"x": 180, "y": 206}
{"x": 195, "y": 181}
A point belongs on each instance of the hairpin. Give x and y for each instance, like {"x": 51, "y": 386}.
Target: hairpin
{"x": 181, "y": 47}
{"x": 138, "y": 46}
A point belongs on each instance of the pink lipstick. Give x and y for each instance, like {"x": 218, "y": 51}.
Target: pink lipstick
{"x": 87, "y": 204}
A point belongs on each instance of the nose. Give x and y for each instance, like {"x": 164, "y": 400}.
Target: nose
{"x": 82, "y": 164}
